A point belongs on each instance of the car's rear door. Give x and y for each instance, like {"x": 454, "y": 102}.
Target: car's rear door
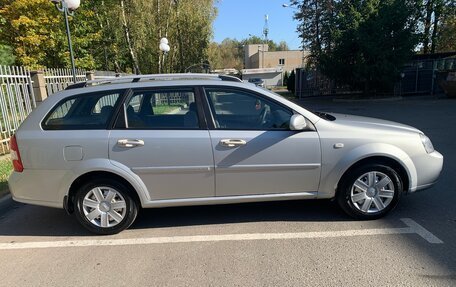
{"x": 255, "y": 153}
{"x": 161, "y": 136}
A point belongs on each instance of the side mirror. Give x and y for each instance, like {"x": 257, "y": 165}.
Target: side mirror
{"x": 297, "y": 123}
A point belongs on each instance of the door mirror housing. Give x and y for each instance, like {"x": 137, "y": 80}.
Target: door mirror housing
{"x": 297, "y": 123}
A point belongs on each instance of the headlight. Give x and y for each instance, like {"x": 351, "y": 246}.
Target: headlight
{"x": 427, "y": 143}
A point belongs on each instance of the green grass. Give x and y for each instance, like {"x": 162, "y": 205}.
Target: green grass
{"x": 5, "y": 170}
{"x": 286, "y": 94}
{"x": 163, "y": 109}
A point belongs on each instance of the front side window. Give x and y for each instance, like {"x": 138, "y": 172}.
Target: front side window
{"x": 242, "y": 110}
{"x": 84, "y": 111}
{"x": 173, "y": 109}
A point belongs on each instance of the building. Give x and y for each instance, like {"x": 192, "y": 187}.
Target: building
{"x": 259, "y": 62}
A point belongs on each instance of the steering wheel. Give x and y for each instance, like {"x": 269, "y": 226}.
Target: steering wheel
{"x": 264, "y": 115}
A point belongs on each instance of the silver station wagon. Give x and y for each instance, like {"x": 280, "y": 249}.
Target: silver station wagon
{"x": 104, "y": 149}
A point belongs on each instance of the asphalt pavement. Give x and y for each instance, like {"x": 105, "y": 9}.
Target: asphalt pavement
{"x": 299, "y": 243}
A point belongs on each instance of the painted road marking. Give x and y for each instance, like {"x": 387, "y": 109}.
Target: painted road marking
{"x": 412, "y": 228}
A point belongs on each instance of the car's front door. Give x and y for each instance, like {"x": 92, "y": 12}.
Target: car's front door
{"x": 160, "y": 136}
{"x": 255, "y": 152}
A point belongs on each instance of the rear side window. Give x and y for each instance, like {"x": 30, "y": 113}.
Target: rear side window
{"x": 84, "y": 111}
{"x": 163, "y": 109}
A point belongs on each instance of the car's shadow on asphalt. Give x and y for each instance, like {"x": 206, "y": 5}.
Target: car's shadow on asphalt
{"x": 27, "y": 220}
{"x": 304, "y": 210}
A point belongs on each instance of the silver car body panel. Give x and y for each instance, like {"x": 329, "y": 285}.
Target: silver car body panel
{"x": 168, "y": 161}
{"x": 270, "y": 162}
{"x": 283, "y": 165}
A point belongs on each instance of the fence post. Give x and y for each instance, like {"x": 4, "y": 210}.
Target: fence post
{"x": 39, "y": 86}
{"x": 90, "y": 76}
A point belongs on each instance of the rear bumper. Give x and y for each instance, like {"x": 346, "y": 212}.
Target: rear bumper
{"x": 37, "y": 187}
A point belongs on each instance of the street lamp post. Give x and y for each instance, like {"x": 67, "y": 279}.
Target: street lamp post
{"x": 68, "y": 7}
{"x": 164, "y": 47}
{"x": 302, "y": 35}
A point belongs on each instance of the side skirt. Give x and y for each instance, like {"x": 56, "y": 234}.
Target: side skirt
{"x": 230, "y": 199}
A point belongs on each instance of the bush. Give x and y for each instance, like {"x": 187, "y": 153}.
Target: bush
{"x": 291, "y": 82}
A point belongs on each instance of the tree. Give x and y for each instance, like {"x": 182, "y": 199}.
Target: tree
{"x": 35, "y": 31}
{"x": 6, "y": 55}
{"x": 317, "y": 26}
{"x": 447, "y": 36}
{"x": 434, "y": 16}
{"x": 285, "y": 79}
{"x": 283, "y": 46}
{"x": 359, "y": 43}
{"x": 120, "y": 35}
{"x": 291, "y": 82}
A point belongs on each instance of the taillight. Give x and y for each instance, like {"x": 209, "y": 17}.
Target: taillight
{"x": 15, "y": 155}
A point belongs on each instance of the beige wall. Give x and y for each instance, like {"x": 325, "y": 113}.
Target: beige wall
{"x": 250, "y": 51}
{"x": 293, "y": 59}
{"x": 255, "y": 58}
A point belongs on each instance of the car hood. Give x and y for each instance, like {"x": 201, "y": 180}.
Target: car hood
{"x": 366, "y": 122}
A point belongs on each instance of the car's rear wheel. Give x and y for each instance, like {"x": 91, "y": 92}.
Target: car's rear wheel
{"x": 370, "y": 191}
{"x": 105, "y": 206}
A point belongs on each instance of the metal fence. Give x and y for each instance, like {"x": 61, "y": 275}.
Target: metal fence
{"x": 419, "y": 77}
{"x": 59, "y": 79}
{"x": 16, "y": 101}
{"x": 423, "y": 76}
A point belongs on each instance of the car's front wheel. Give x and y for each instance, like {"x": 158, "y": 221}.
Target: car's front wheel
{"x": 105, "y": 206}
{"x": 370, "y": 191}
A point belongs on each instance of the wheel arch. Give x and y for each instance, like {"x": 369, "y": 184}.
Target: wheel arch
{"x": 87, "y": 177}
{"x": 375, "y": 152}
{"x": 383, "y": 160}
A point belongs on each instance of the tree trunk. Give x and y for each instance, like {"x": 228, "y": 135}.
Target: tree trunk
{"x": 134, "y": 60}
{"x": 179, "y": 36}
{"x": 159, "y": 37}
{"x": 435, "y": 27}
{"x": 427, "y": 25}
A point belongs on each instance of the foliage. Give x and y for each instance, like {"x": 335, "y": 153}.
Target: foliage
{"x": 6, "y": 167}
{"x": 435, "y": 18}
{"x": 35, "y": 31}
{"x": 120, "y": 35}
{"x": 291, "y": 82}
{"x": 374, "y": 41}
{"x": 446, "y": 38}
{"x": 6, "y": 55}
{"x": 360, "y": 43}
{"x": 285, "y": 79}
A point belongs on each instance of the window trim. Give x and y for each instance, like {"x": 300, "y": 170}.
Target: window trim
{"x": 133, "y": 91}
{"x": 211, "y": 116}
{"x": 121, "y": 93}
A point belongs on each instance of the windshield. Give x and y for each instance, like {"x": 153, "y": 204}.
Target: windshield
{"x": 322, "y": 115}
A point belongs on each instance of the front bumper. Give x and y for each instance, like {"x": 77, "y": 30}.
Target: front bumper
{"x": 428, "y": 169}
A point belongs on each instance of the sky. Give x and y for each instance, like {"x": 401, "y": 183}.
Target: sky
{"x": 239, "y": 18}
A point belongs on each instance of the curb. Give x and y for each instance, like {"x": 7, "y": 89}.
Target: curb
{"x": 393, "y": 99}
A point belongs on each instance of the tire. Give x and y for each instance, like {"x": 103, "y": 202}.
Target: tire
{"x": 370, "y": 191}
{"x": 105, "y": 206}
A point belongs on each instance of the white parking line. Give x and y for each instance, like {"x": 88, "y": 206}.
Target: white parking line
{"x": 412, "y": 228}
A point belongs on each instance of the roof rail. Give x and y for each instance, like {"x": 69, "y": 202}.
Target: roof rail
{"x": 76, "y": 86}
{"x": 159, "y": 77}
{"x": 163, "y": 77}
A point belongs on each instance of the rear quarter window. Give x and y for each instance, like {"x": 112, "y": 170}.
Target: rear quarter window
{"x": 84, "y": 111}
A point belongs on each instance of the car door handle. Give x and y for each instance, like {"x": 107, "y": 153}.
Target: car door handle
{"x": 130, "y": 143}
{"x": 232, "y": 142}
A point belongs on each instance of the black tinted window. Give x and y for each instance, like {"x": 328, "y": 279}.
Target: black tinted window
{"x": 173, "y": 109}
{"x": 235, "y": 109}
{"x": 84, "y": 111}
